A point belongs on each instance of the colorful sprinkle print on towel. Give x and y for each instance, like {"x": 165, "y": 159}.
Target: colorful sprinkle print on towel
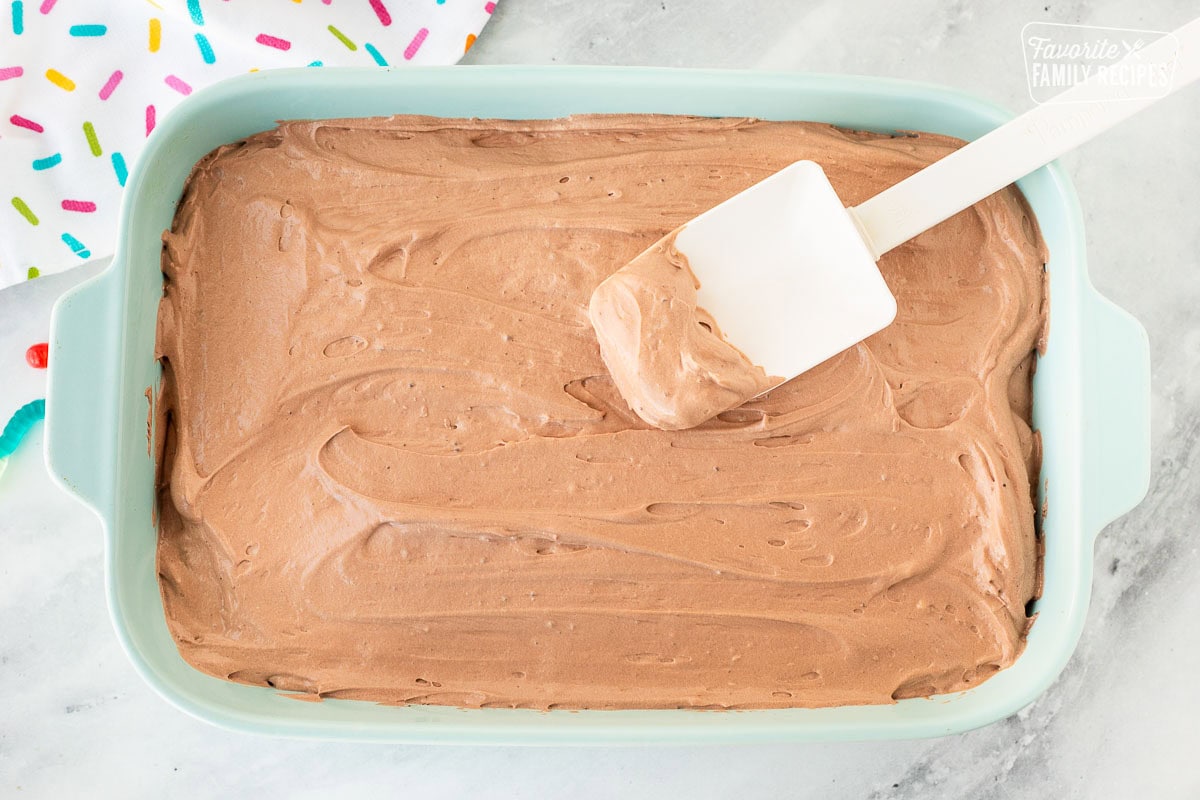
{"x": 83, "y": 84}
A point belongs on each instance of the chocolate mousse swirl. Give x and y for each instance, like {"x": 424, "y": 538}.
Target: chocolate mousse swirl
{"x": 395, "y": 468}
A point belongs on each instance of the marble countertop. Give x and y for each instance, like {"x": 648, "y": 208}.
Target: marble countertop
{"x": 1120, "y": 722}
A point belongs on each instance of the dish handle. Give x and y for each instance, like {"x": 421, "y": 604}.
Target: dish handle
{"x": 81, "y": 390}
{"x": 1116, "y": 417}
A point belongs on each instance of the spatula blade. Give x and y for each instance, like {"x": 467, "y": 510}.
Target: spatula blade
{"x": 785, "y": 273}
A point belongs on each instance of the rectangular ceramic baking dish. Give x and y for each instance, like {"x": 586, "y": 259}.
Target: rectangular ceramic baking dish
{"x": 1091, "y": 393}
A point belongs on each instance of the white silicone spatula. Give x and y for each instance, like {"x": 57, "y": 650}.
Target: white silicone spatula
{"x": 789, "y": 273}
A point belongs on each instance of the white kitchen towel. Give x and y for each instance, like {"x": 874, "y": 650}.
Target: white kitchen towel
{"x": 84, "y": 82}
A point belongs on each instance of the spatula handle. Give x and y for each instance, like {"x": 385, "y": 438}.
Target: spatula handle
{"x": 1016, "y": 148}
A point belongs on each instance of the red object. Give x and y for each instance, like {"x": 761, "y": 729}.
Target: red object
{"x": 38, "y": 355}
{"x": 385, "y": 18}
{"x": 22, "y": 122}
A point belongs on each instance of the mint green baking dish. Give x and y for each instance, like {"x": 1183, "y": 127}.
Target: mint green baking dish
{"x": 1091, "y": 393}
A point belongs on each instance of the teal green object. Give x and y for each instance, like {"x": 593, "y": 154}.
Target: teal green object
{"x": 1091, "y": 393}
{"x": 19, "y": 424}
